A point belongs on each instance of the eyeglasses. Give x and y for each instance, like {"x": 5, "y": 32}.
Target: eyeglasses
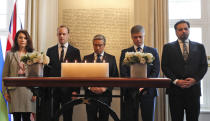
{"x": 99, "y": 45}
{"x": 136, "y": 37}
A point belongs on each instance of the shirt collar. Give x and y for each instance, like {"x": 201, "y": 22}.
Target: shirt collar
{"x": 135, "y": 47}
{"x": 186, "y": 41}
{"x": 102, "y": 54}
{"x": 65, "y": 45}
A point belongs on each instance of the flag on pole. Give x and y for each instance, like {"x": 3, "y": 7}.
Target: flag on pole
{"x": 12, "y": 28}
{"x": 3, "y": 106}
{"x": 11, "y": 36}
{"x": 3, "y": 109}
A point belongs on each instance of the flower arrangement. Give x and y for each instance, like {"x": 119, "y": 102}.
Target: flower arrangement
{"x": 35, "y": 57}
{"x": 138, "y": 57}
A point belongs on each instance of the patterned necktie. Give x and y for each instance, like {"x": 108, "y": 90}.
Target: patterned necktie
{"x": 98, "y": 60}
{"x": 62, "y": 53}
{"x": 185, "y": 53}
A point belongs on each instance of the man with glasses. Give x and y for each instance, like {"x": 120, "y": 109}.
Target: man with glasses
{"x": 96, "y": 112}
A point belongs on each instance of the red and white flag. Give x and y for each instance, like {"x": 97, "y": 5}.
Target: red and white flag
{"x": 12, "y": 28}
{"x": 11, "y": 35}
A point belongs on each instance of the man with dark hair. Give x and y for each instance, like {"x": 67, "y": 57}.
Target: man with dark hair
{"x": 145, "y": 96}
{"x": 180, "y": 22}
{"x": 185, "y": 63}
{"x": 59, "y": 53}
{"x": 103, "y": 94}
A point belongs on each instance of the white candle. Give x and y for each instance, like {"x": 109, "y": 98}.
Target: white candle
{"x": 85, "y": 70}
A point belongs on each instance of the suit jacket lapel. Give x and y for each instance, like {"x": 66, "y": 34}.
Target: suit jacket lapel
{"x": 16, "y": 57}
{"x": 68, "y": 51}
{"x": 145, "y": 49}
{"x": 105, "y": 58}
{"x": 179, "y": 50}
{"x": 69, "y": 54}
{"x": 56, "y": 54}
{"x": 190, "y": 50}
{"x": 133, "y": 49}
{"x": 91, "y": 58}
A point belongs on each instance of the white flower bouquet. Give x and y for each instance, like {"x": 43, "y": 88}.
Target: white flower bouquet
{"x": 138, "y": 57}
{"x": 35, "y": 57}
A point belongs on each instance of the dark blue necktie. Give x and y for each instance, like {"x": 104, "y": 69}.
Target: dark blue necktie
{"x": 138, "y": 49}
{"x": 98, "y": 60}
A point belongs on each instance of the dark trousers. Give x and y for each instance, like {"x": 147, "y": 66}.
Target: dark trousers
{"x": 45, "y": 110}
{"x": 95, "y": 111}
{"x": 189, "y": 104}
{"x": 147, "y": 105}
{"x": 67, "y": 114}
{"x": 25, "y": 116}
{"x": 46, "y": 105}
{"x": 61, "y": 97}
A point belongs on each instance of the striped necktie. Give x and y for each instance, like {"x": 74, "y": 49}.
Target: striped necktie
{"x": 62, "y": 53}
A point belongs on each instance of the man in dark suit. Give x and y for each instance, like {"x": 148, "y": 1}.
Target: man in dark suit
{"x": 59, "y": 53}
{"x": 185, "y": 63}
{"x": 145, "y": 96}
{"x": 103, "y": 94}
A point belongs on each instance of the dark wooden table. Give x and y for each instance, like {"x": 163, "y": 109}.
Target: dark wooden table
{"x": 89, "y": 81}
{"x": 82, "y": 82}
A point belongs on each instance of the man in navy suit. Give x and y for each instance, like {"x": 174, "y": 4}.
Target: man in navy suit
{"x": 145, "y": 96}
{"x": 185, "y": 63}
{"x": 59, "y": 53}
{"x": 103, "y": 94}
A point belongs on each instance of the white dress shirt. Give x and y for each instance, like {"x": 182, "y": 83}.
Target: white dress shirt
{"x": 142, "y": 47}
{"x": 181, "y": 45}
{"x": 60, "y": 49}
{"x": 101, "y": 57}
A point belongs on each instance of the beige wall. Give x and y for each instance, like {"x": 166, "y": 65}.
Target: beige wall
{"x": 86, "y": 19}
